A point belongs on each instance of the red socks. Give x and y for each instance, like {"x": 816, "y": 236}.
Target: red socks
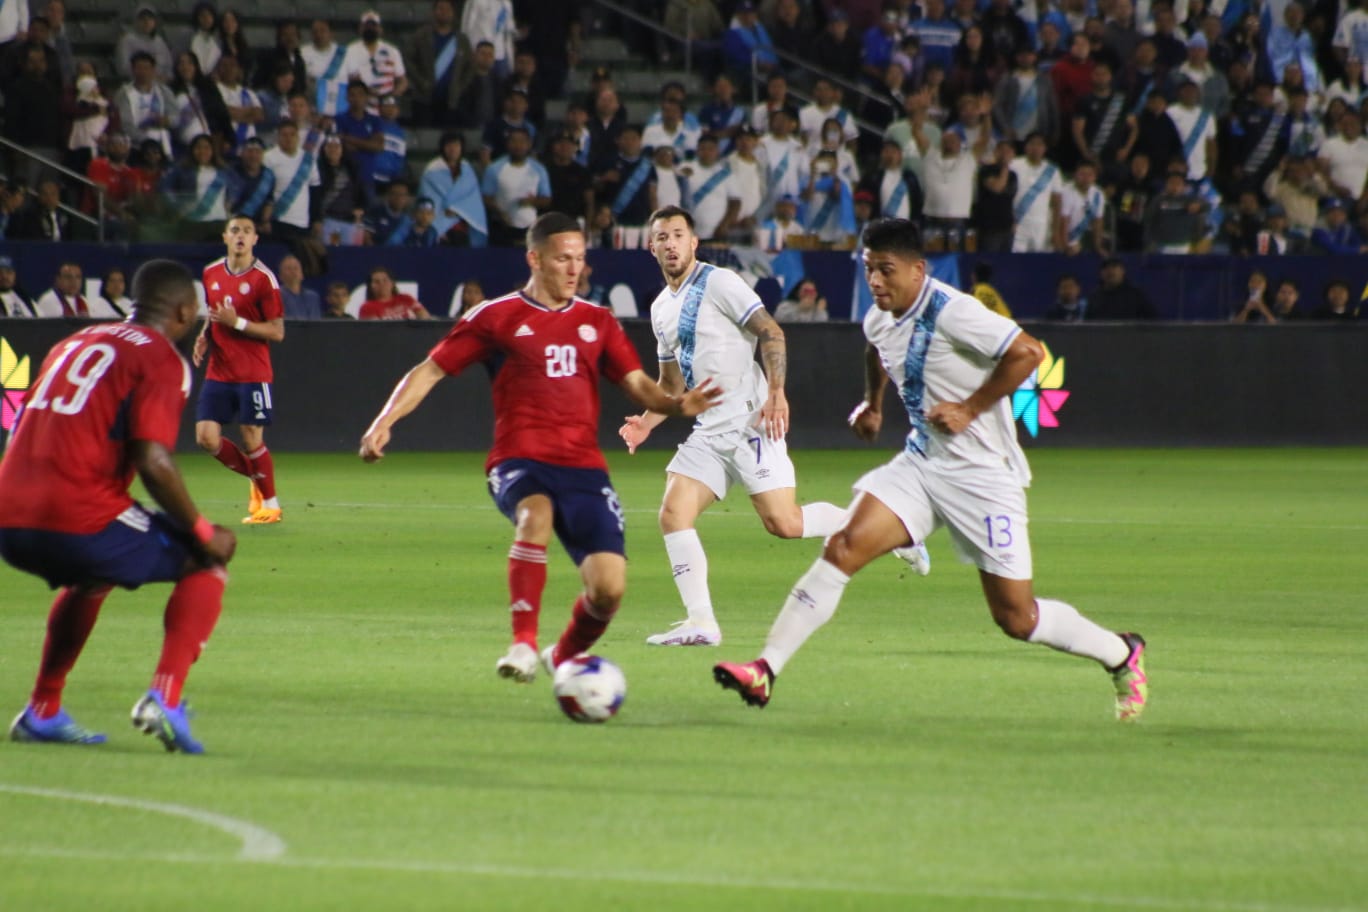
{"x": 70, "y": 621}
{"x": 526, "y": 581}
{"x": 582, "y": 633}
{"x": 229, "y": 454}
{"x": 263, "y": 471}
{"x": 191, "y": 614}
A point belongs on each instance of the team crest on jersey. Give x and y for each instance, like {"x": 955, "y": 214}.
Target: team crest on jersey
{"x": 588, "y": 333}
{"x": 244, "y": 288}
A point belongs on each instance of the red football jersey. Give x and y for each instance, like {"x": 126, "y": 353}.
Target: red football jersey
{"x": 255, "y": 294}
{"x": 67, "y": 467}
{"x": 399, "y": 307}
{"x": 546, "y": 366}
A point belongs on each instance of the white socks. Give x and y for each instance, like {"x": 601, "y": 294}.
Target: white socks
{"x": 690, "y": 567}
{"x": 822, "y": 519}
{"x": 810, "y": 605}
{"x": 1060, "y": 626}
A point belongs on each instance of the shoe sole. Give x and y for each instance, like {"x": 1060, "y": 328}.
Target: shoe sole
{"x": 253, "y": 521}
{"x": 149, "y": 720}
{"x": 686, "y": 641}
{"x": 515, "y": 673}
{"x": 730, "y": 681}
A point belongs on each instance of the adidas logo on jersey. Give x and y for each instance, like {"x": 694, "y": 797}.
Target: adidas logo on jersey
{"x": 214, "y": 286}
{"x": 523, "y": 330}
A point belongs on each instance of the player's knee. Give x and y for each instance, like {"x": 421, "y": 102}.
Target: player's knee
{"x": 672, "y": 519}
{"x": 1016, "y": 620}
{"x": 604, "y": 600}
{"x": 839, "y": 551}
{"x": 207, "y": 438}
{"x": 784, "y": 525}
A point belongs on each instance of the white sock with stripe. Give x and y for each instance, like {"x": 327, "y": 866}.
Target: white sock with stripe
{"x": 1060, "y": 626}
{"x": 811, "y": 604}
{"x": 689, "y": 564}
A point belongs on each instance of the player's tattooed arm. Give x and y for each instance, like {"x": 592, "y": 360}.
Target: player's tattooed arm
{"x": 773, "y": 348}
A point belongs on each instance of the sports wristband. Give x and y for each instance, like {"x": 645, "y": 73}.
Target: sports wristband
{"x": 203, "y": 530}
{"x": 857, "y": 412}
{"x": 241, "y": 324}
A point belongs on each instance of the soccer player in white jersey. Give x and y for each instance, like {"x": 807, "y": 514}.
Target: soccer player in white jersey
{"x": 706, "y": 322}
{"x": 955, "y": 364}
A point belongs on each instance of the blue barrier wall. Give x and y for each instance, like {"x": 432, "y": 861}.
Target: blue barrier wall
{"x": 1182, "y": 287}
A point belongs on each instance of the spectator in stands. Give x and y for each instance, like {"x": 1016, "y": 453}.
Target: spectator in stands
{"x": 1297, "y": 188}
{"x": 602, "y": 230}
{"x": 441, "y": 63}
{"x": 1036, "y": 208}
{"x": 197, "y": 188}
{"x": 419, "y": 231}
{"x": 722, "y": 118}
{"x": 147, "y": 109}
{"x": 384, "y": 217}
{"x": 1170, "y": 42}
{"x": 1241, "y": 225}
{"x": 1255, "y": 308}
{"x": 492, "y": 21}
{"x": 748, "y": 180}
{"x": 59, "y": 39}
{"x": 275, "y": 97}
{"x": 1291, "y": 43}
{"x": 1082, "y": 209}
{"x": 336, "y": 299}
{"x": 826, "y": 105}
{"x": 776, "y": 99}
{"x": 144, "y": 35}
{"x": 480, "y": 101}
{"x": 991, "y": 216}
{"x": 1103, "y": 129}
{"x": 804, "y": 304}
{"x": 15, "y": 57}
{"x": 1336, "y": 235}
{"x": 252, "y": 184}
{"x": 1196, "y": 128}
{"x": 773, "y": 233}
{"x": 375, "y": 62}
{"x": 831, "y": 184}
{"x": 33, "y": 115}
{"x": 1176, "y": 218}
{"x": 1072, "y": 76}
{"x": 1273, "y": 239}
{"x": 1344, "y": 159}
{"x": 90, "y": 110}
{"x": 235, "y": 43}
{"x": 572, "y": 187}
{"x": 1304, "y": 132}
{"x": 360, "y": 131}
{"x": 879, "y": 43}
{"x": 710, "y": 194}
{"x": 1004, "y": 32}
{"x": 1024, "y": 101}
{"x": 746, "y": 46}
{"x": 113, "y": 173}
{"x": 494, "y": 140}
{"x": 14, "y": 301}
{"x": 1286, "y": 300}
{"x": 785, "y": 156}
{"x": 787, "y": 33}
{"x": 1121, "y": 33}
{"x": 1349, "y": 86}
{"x": 514, "y": 186}
{"x": 343, "y": 203}
{"x": 203, "y": 42}
{"x": 1141, "y": 75}
{"x": 951, "y": 169}
{"x": 391, "y": 162}
{"x": 42, "y": 219}
{"x": 576, "y": 126}
{"x": 835, "y": 49}
{"x": 628, "y": 186}
{"x": 1259, "y": 137}
{"x": 975, "y": 70}
{"x": 300, "y": 303}
{"x": 113, "y": 295}
{"x": 987, "y": 295}
{"x": 197, "y": 106}
{"x": 285, "y": 54}
{"x": 244, "y": 107}
{"x": 451, "y": 183}
{"x": 14, "y": 22}
{"x": 1337, "y": 307}
{"x": 1069, "y": 304}
{"x": 324, "y": 60}
{"x": 553, "y": 36}
{"x": 1116, "y": 298}
{"x": 911, "y": 62}
{"x": 672, "y": 131}
{"x": 917, "y": 121}
{"x": 472, "y": 294}
{"x": 1351, "y": 35}
{"x": 385, "y": 302}
{"x": 524, "y": 77}
{"x": 1211, "y": 82}
{"x": 66, "y": 298}
{"x": 896, "y": 192}
{"x": 296, "y": 205}
{"x": 668, "y": 184}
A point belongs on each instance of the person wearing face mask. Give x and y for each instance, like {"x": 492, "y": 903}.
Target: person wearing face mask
{"x": 375, "y": 62}
{"x": 830, "y": 203}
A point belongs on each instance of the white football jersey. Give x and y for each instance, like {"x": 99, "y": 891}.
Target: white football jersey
{"x": 703, "y": 327}
{"x": 942, "y": 350}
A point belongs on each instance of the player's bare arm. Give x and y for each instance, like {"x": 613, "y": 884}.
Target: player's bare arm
{"x": 163, "y": 481}
{"x": 407, "y": 396}
{"x": 648, "y": 394}
{"x": 774, "y": 414}
{"x": 262, "y": 331}
{"x": 636, "y": 428}
{"x": 1022, "y": 357}
{"x": 867, "y": 418}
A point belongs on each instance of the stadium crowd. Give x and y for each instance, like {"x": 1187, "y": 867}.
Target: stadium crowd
{"x": 1173, "y": 126}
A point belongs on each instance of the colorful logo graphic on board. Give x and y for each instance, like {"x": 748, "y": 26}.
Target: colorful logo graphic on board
{"x": 1037, "y": 402}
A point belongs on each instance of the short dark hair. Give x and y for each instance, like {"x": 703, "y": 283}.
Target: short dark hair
{"x": 893, "y": 235}
{"x": 669, "y": 212}
{"x": 983, "y": 272}
{"x": 550, "y": 224}
{"x": 141, "y": 55}
{"x": 156, "y": 284}
{"x": 236, "y": 216}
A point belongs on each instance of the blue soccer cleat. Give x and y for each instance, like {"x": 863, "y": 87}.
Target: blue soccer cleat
{"x": 152, "y": 716}
{"x": 59, "y": 729}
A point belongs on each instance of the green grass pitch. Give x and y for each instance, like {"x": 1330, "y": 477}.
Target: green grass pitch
{"x": 363, "y": 754}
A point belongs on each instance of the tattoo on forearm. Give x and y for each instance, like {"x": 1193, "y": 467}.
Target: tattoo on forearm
{"x": 774, "y": 355}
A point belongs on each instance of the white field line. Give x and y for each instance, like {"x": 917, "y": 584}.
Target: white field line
{"x": 653, "y": 878}
{"x": 258, "y": 844}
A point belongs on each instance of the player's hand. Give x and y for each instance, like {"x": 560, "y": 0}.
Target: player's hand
{"x": 200, "y": 350}
{"x": 373, "y": 444}
{"x": 699, "y": 399}
{"x": 633, "y": 432}
{"x": 774, "y": 415}
{"x": 225, "y": 314}
{"x": 865, "y": 422}
{"x": 951, "y": 417}
{"x": 221, "y": 546}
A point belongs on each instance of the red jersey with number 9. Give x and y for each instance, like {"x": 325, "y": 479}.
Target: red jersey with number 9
{"x": 67, "y": 467}
{"x": 255, "y": 295}
{"x": 545, "y": 365}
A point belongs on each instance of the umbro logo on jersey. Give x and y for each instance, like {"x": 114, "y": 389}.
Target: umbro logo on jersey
{"x": 523, "y": 330}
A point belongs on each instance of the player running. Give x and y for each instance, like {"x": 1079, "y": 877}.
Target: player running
{"x": 954, "y": 362}
{"x": 245, "y": 316}
{"x": 107, "y": 404}
{"x": 546, "y": 349}
{"x": 706, "y": 323}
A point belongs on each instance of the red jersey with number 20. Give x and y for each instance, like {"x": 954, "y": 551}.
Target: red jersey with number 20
{"x": 255, "y": 295}
{"x": 67, "y": 467}
{"x": 545, "y": 365}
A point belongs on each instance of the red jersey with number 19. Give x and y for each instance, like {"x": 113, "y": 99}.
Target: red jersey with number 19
{"x": 255, "y": 295}
{"x": 545, "y": 366}
{"x": 67, "y": 467}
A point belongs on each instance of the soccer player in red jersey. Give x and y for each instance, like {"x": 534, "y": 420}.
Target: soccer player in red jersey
{"x": 245, "y": 316}
{"x": 546, "y": 349}
{"x": 108, "y": 404}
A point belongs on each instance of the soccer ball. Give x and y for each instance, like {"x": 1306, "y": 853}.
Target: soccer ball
{"x": 589, "y": 688}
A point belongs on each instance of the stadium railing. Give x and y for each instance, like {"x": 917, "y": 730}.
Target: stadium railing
{"x": 97, "y": 220}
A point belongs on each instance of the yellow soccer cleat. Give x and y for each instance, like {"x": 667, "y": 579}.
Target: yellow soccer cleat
{"x": 254, "y": 500}
{"x": 264, "y": 516}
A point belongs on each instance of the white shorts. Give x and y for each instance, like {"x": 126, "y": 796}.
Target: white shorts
{"x": 984, "y": 509}
{"x": 745, "y": 456}
{"x": 1031, "y": 237}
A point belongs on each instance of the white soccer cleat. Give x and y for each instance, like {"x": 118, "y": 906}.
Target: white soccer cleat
{"x": 520, "y": 664}
{"x": 917, "y": 557}
{"x": 687, "y": 633}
